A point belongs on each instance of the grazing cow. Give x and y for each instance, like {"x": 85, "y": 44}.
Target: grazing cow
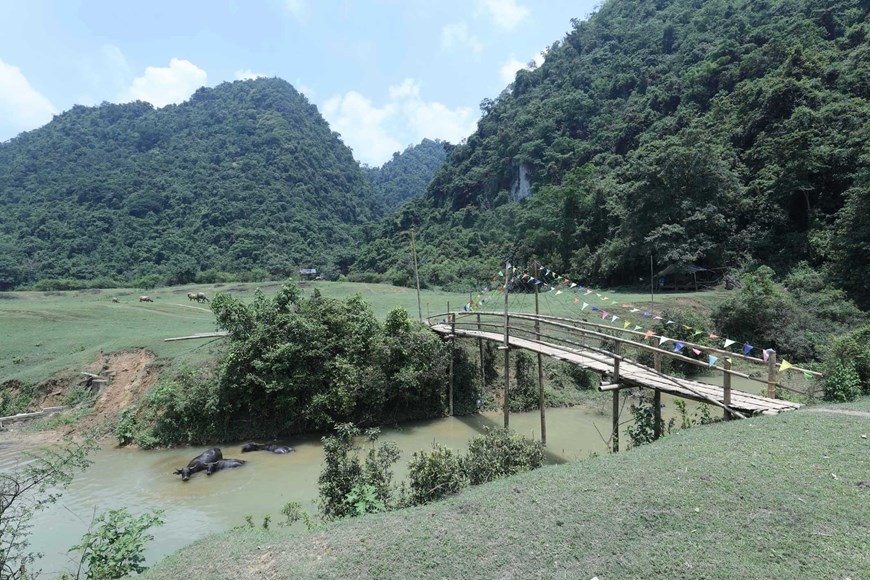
{"x": 224, "y": 464}
{"x": 280, "y": 449}
{"x": 145, "y": 299}
{"x": 116, "y": 301}
{"x": 192, "y": 296}
{"x": 200, "y": 463}
{"x": 201, "y": 297}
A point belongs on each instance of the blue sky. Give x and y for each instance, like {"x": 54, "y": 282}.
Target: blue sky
{"x": 384, "y": 73}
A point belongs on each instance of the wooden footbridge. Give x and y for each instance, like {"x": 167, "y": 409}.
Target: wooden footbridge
{"x": 606, "y": 350}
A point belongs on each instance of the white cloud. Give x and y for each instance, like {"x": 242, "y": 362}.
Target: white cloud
{"x": 456, "y": 36}
{"x": 22, "y": 107}
{"x": 248, "y": 75}
{"x": 506, "y": 13}
{"x": 509, "y": 69}
{"x": 361, "y": 126}
{"x": 375, "y": 133}
{"x": 296, "y": 8}
{"x": 161, "y": 86}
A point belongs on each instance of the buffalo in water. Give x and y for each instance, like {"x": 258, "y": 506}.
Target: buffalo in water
{"x": 224, "y": 464}
{"x": 145, "y": 299}
{"x": 280, "y": 449}
{"x": 200, "y": 463}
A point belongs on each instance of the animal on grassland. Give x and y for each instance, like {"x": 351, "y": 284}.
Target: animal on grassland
{"x": 145, "y": 299}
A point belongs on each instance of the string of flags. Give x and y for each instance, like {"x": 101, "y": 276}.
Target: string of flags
{"x": 548, "y": 280}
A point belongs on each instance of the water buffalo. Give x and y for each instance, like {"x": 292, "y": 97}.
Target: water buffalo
{"x": 269, "y": 447}
{"x": 201, "y": 297}
{"x": 200, "y": 463}
{"x": 224, "y": 464}
{"x": 145, "y": 299}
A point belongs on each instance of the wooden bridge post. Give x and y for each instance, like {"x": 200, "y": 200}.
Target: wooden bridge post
{"x": 614, "y": 436}
{"x": 480, "y": 356}
{"x": 541, "y": 402}
{"x": 657, "y": 414}
{"x": 726, "y": 387}
{"x": 771, "y": 373}
{"x": 452, "y": 355}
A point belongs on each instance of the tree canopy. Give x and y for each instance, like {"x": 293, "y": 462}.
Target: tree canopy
{"x": 244, "y": 176}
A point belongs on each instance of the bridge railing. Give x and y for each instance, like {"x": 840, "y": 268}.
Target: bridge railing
{"x": 565, "y": 331}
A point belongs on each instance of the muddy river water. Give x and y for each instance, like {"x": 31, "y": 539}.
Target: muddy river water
{"x": 141, "y": 480}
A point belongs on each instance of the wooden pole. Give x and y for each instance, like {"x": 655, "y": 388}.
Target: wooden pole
{"x": 480, "y": 357}
{"x": 417, "y": 277}
{"x": 541, "y": 402}
{"x": 452, "y": 356}
{"x": 771, "y": 373}
{"x": 652, "y": 283}
{"x": 615, "y": 379}
{"x": 657, "y": 414}
{"x": 726, "y": 387}
{"x": 507, "y": 352}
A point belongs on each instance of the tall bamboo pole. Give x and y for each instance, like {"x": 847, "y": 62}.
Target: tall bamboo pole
{"x": 417, "y": 276}
{"x": 507, "y": 351}
{"x": 541, "y": 403}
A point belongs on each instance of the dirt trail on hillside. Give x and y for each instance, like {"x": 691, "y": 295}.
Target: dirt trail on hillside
{"x": 130, "y": 373}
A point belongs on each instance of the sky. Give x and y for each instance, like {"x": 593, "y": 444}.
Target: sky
{"x": 384, "y": 73}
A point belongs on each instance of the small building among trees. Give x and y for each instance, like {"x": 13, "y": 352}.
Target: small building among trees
{"x": 308, "y": 273}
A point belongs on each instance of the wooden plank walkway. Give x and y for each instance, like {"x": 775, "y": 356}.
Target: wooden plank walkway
{"x": 635, "y": 375}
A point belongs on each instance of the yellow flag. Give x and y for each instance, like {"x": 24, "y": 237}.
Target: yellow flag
{"x": 784, "y": 365}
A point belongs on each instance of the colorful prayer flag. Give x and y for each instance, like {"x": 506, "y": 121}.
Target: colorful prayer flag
{"x": 678, "y": 346}
{"x": 625, "y": 324}
{"x": 808, "y": 375}
{"x": 711, "y": 360}
{"x": 648, "y": 334}
{"x": 663, "y": 340}
{"x": 784, "y": 365}
{"x": 729, "y": 342}
{"x": 582, "y": 308}
{"x": 747, "y": 348}
{"x": 696, "y": 351}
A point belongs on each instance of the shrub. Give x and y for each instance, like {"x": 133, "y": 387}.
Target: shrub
{"x": 853, "y": 348}
{"x": 115, "y": 548}
{"x": 524, "y": 395}
{"x": 345, "y": 483}
{"x": 500, "y": 453}
{"x": 434, "y": 475}
{"x": 842, "y": 382}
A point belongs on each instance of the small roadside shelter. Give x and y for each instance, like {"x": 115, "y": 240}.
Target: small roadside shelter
{"x": 685, "y": 277}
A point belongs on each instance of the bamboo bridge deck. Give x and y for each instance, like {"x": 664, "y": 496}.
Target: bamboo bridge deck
{"x": 631, "y": 374}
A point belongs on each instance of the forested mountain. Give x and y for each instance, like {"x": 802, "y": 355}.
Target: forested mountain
{"x": 723, "y": 133}
{"x": 407, "y": 174}
{"x": 245, "y": 178}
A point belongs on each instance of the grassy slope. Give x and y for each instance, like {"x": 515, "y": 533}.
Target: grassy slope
{"x": 46, "y": 332}
{"x": 774, "y": 497}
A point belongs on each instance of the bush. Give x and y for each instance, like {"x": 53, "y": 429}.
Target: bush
{"x": 115, "y": 548}
{"x": 348, "y": 487}
{"x": 853, "y": 348}
{"x": 435, "y": 475}
{"x": 842, "y": 383}
{"x": 524, "y": 395}
{"x": 500, "y": 453}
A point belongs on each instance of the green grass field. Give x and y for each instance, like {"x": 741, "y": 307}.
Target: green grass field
{"x": 44, "y": 333}
{"x": 769, "y": 497}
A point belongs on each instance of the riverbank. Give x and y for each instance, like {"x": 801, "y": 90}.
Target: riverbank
{"x": 784, "y": 496}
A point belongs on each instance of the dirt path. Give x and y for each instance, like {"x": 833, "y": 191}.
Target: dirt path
{"x": 864, "y": 414}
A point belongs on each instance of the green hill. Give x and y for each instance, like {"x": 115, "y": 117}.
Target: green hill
{"x": 245, "y": 178}
{"x": 407, "y": 174}
{"x": 723, "y": 133}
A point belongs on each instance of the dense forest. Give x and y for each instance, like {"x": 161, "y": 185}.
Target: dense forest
{"x": 407, "y": 174}
{"x": 722, "y": 133}
{"x": 245, "y": 179}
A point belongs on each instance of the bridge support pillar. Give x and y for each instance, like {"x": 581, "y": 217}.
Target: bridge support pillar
{"x": 657, "y": 414}
{"x": 614, "y": 435}
{"x": 771, "y": 374}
